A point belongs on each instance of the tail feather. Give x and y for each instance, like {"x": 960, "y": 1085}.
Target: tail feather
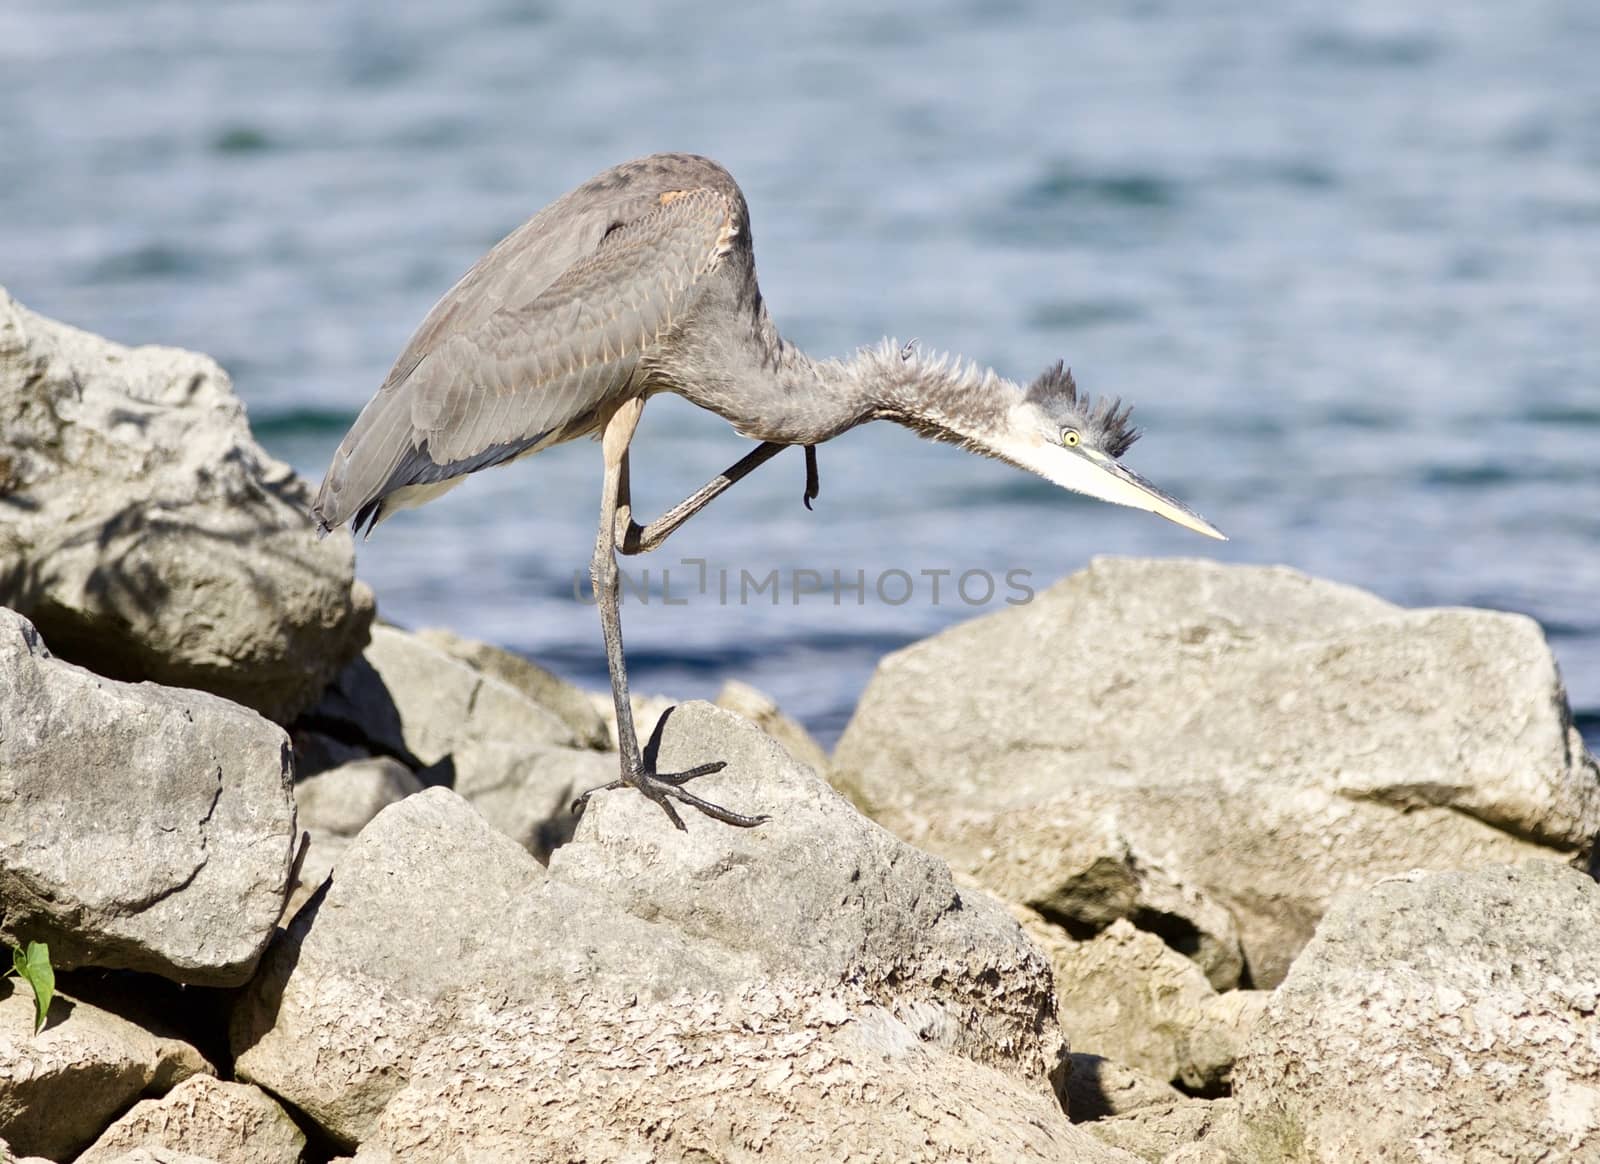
{"x": 383, "y": 465}
{"x": 366, "y": 517}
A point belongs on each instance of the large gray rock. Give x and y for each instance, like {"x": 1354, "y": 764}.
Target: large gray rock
{"x": 1264, "y": 739}
{"x": 229, "y": 1123}
{"x": 1098, "y": 1088}
{"x": 1127, "y": 996}
{"x": 148, "y": 536}
{"x": 414, "y": 701}
{"x": 1188, "y": 1131}
{"x": 762, "y": 710}
{"x": 808, "y": 989}
{"x": 691, "y": 1084}
{"x": 1445, "y": 1016}
{"x": 517, "y": 741}
{"x": 533, "y": 806}
{"x": 334, "y": 805}
{"x": 60, "y": 1087}
{"x": 425, "y": 699}
{"x": 142, "y": 827}
{"x": 343, "y": 799}
{"x": 567, "y": 701}
{"x": 1210, "y": 1048}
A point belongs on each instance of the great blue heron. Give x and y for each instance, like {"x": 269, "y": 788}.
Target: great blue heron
{"x": 643, "y": 280}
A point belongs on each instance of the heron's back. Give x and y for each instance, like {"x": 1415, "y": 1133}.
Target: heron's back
{"x": 547, "y": 332}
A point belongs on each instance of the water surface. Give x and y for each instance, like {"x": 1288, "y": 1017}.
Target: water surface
{"x": 1345, "y": 261}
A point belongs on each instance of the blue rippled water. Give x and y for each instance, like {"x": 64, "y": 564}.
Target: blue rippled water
{"x": 1345, "y": 259}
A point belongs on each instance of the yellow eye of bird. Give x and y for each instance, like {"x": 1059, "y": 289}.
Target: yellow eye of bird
{"x": 1070, "y": 437}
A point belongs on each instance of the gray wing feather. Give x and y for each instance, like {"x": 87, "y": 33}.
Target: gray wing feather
{"x": 513, "y": 357}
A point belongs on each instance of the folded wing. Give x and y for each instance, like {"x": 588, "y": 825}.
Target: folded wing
{"x": 529, "y": 348}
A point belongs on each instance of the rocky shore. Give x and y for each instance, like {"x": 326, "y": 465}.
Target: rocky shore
{"x": 1178, "y": 863}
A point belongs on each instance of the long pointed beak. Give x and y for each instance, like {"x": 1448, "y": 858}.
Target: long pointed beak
{"x": 1128, "y": 488}
{"x": 1097, "y": 475}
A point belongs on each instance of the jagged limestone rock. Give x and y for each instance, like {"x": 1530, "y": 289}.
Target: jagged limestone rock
{"x": 148, "y": 536}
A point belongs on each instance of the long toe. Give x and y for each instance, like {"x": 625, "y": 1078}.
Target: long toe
{"x": 677, "y": 779}
{"x": 582, "y": 802}
{"x": 665, "y": 787}
{"x": 714, "y": 811}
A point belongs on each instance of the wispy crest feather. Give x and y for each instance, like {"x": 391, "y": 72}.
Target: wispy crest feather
{"x": 1057, "y": 392}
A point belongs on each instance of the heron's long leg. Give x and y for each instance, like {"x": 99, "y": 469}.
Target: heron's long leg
{"x": 603, "y": 573}
{"x": 633, "y": 538}
{"x": 659, "y": 787}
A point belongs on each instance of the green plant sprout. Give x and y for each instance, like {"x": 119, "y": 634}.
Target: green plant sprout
{"x": 33, "y": 967}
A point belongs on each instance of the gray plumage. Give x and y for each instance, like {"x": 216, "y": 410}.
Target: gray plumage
{"x": 549, "y": 326}
{"x": 639, "y": 281}
{"x": 643, "y": 280}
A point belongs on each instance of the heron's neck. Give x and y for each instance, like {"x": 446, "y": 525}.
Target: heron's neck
{"x": 941, "y": 397}
{"x": 771, "y": 390}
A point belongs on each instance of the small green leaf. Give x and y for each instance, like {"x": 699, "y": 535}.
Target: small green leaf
{"x": 35, "y": 969}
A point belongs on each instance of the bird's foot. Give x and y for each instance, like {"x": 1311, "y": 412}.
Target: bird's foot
{"x": 665, "y": 787}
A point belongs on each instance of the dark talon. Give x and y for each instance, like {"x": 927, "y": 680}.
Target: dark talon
{"x": 813, "y": 484}
{"x": 665, "y": 787}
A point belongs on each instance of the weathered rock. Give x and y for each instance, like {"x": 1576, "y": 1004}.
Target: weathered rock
{"x": 315, "y": 752}
{"x": 334, "y": 805}
{"x": 1127, "y": 996}
{"x": 1097, "y": 876}
{"x": 148, "y": 536}
{"x": 515, "y": 759}
{"x": 7, "y": 1156}
{"x": 809, "y": 988}
{"x": 740, "y": 698}
{"x": 783, "y": 1086}
{"x": 1076, "y": 865}
{"x": 762, "y": 710}
{"x": 515, "y": 740}
{"x": 873, "y": 911}
{"x": 533, "y": 806}
{"x": 1446, "y": 1016}
{"x": 1097, "y": 1087}
{"x": 230, "y": 1123}
{"x": 1266, "y": 738}
{"x": 1189, "y": 1131}
{"x": 344, "y": 799}
{"x": 570, "y": 703}
{"x": 1209, "y": 1048}
{"x": 60, "y": 1087}
{"x": 141, "y": 827}
{"x": 1197, "y": 1154}
{"x": 323, "y": 851}
{"x": 414, "y": 701}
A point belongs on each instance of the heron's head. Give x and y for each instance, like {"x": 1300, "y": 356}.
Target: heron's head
{"x": 1078, "y": 443}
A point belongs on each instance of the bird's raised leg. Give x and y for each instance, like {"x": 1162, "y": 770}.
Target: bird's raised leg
{"x": 663, "y": 788}
{"x": 633, "y": 538}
